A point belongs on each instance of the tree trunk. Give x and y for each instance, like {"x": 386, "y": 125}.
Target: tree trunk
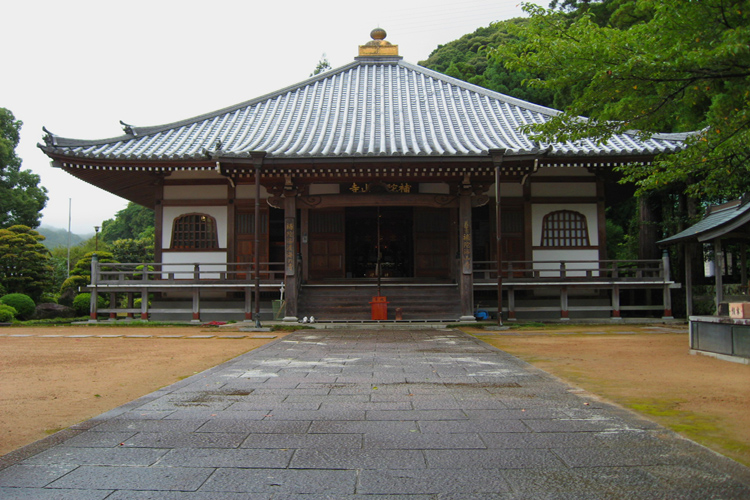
{"x": 649, "y": 222}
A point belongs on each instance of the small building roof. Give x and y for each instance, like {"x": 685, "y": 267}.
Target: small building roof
{"x": 725, "y": 220}
{"x": 376, "y": 106}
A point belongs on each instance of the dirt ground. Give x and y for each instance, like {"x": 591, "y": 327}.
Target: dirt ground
{"x": 649, "y": 370}
{"x": 50, "y": 381}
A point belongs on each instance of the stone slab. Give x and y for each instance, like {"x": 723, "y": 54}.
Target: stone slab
{"x": 356, "y": 414}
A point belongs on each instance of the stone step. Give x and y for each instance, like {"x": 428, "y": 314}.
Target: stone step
{"x": 340, "y": 302}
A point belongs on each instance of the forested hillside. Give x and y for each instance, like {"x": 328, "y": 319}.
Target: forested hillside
{"x": 466, "y": 59}
{"x": 57, "y": 237}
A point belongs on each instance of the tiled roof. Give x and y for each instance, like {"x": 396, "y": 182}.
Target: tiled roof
{"x": 719, "y": 220}
{"x": 372, "y": 107}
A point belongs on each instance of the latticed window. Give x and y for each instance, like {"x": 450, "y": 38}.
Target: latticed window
{"x": 565, "y": 228}
{"x": 194, "y": 231}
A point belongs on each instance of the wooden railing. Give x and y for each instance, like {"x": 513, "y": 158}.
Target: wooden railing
{"x": 185, "y": 273}
{"x": 572, "y": 271}
{"x": 143, "y": 279}
{"x": 610, "y": 276}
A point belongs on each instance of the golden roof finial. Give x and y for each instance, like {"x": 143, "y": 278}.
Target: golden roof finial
{"x": 378, "y": 47}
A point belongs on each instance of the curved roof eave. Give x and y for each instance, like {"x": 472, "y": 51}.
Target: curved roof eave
{"x": 427, "y": 114}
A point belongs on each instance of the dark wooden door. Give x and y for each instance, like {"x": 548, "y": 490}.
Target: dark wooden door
{"x": 245, "y": 239}
{"x": 432, "y": 243}
{"x": 327, "y": 243}
{"x": 513, "y": 240}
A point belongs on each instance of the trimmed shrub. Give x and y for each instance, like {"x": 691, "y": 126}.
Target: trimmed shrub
{"x": 7, "y": 313}
{"x": 48, "y": 298}
{"x": 73, "y": 283}
{"x": 21, "y": 303}
{"x": 82, "y": 303}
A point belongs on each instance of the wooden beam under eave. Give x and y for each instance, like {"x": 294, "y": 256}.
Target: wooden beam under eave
{"x": 383, "y": 200}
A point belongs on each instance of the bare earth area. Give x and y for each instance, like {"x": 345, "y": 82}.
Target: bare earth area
{"x": 649, "y": 370}
{"x": 50, "y": 380}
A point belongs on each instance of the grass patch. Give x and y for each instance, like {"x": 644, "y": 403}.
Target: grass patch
{"x": 290, "y": 328}
{"x": 704, "y": 429}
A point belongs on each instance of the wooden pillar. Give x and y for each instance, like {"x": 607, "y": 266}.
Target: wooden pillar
{"x": 304, "y": 246}
{"x": 497, "y": 160}
{"x": 601, "y": 213}
{"x": 112, "y": 305}
{"x": 196, "y": 305}
{"x": 248, "y": 303}
{"x": 144, "y": 304}
{"x": 511, "y": 304}
{"x": 231, "y": 229}
{"x": 718, "y": 277}
{"x": 689, "y": 278}
{"x": 130, "y": 305}
{"x": 564, "y": 303}
{"x": 257, "y": 161}
{"x": 616, "y": 302}
{"x": 256, "y": 244}
{"x": 290, "y": 254}
{"x": 666, "y": 290}
{"x": 743, "y": 264}
{"x": 158, "y": 220}
{"x": 467, "y": 250}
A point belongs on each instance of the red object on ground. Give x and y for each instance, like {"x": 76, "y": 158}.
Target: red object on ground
{"x": 379, "y": 308}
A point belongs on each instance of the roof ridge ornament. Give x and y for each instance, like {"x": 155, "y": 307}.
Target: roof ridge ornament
{"x": 49, "y": 137}
{"x": 378, "y": 46}
{"x": 128, "y": 129}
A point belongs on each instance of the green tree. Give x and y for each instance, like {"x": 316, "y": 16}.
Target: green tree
{"x": 21, "y": 197}
{"x": 323, "y": 65}
{"x": 24, "y": 262}
{"x": 83, "y": 266}
{"x": 675, "y": 66}
{"x": 466, "y": 59}
{"x": 59, "y": 259}
{"x": 132, "y": 222}
{"x": 131, "y": 250}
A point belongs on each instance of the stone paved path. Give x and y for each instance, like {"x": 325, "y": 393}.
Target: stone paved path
{"x": 370, "y": 414}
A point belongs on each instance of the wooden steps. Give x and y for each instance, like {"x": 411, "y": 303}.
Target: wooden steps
{"x": 352, "y": 302}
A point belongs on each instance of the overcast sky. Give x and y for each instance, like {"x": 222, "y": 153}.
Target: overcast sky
{"x": 78, "y": 67}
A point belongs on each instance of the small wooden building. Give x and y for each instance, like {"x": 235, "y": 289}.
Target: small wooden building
{"x": 726, "y": 334}
{"x": 378, "y": 178}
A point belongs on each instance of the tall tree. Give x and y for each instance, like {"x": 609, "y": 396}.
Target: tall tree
{"x": 677, "y": 66}
{"x": 132, "y": 222}
{"x": 323, "y": 65}
{"x": 24, "y": 262}
{"x": 21, "y": 197}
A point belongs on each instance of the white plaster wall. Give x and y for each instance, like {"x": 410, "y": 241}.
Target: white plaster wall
{"x": 195, "y": 192}
{"x": 171, "y": 213}
{"x": 247, "y": 191}
{"x": 319, "y": 189}
{"x": 182, "y": 264}
{"x": 538, "y": 211}
{"x": 434, "y": 188}
{"x": 542, "y": 189}
{"x": 570, "y": 255}
{"x": 510, "y": 189}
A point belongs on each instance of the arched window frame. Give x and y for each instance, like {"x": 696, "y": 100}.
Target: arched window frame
{"x": 194, "y": 231}
{"x": 565, "y": 229}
